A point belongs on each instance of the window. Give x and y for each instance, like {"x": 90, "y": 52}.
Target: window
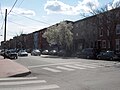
{"x": 108, "y": 33}
{"x": 76, "y": 34}
{"x": 104, "y": 44}
{"x": 118, "y": 29}
{"x": 101, "y": 32}
{"x": 117, "y": 44}
{"x": 108, "y": 44}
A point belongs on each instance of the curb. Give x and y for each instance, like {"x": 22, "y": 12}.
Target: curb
{"x": 21, "y": 75}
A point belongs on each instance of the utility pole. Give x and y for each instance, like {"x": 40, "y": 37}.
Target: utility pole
{"x": 5, "y": 32}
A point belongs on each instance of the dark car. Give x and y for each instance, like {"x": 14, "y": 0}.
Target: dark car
{"x": 108, "y": 55}
{"x": 36, "y": 52}
{"x": 11, "y": 54}
{"x": 61, "y": 53}
{"x": 87, "y": 53}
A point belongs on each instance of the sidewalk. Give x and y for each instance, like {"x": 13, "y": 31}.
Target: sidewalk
{"x": 9, "y": 68}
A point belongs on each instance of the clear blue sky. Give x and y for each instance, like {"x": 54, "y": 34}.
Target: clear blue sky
{"x": 42, "y": 13}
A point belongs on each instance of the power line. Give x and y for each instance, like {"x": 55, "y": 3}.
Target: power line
{"x": 2, "y": 25}
{"x": 32, "y": 19}
{"x": 19, "y": 24}
{"x": 2, "y": 17}
{"x": 1, "y": 11}
{"x": 16, "y": 23}
{"x": 20, "y": 3}
{"x": 12, "y": 6}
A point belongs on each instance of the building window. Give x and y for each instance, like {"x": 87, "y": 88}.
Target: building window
{"x": 77, "y": 34}
{"x": 108, "y": 33}
{"x": 118, "y": 29}
{"x": 101, "y": 32}
{"x": 104, "y": 44}
{"x": 117, "y": 44}
{"x": 108, "y": 44}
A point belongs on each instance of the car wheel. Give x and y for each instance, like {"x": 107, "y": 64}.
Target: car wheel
{"x": 98, "y": 58}
{"x": 111, "y": 58}
{"x": 77, "y": 56}
{"x": 88, "y": 57}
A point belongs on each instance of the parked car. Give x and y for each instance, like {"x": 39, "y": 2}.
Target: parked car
{"x": 11, "y": 54}
{"x": 45, "y": 52}
{"x": 62, "y": 53}
{"x": 87, "y": 53}
{"x": 36, "y": 52}
{"x": 22, "y": 53}
{"x": 108, "y": 55}
{"x": 53, "y": 52}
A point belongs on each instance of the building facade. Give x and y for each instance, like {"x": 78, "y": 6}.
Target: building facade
{"x": 85, "y": 33}
{"x": 101, "y": 31}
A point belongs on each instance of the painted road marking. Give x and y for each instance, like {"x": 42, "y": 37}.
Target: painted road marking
{"x": 37, "y": 66}
{"x": 85, "y": 66}
{"x": 43, "y": 87}
{"x": 22, "y": 82}
{"x": 65, "y": 68}
{"x": 76, "y": 67}
{"x": 17, "y": 78}
{"x": 51, "y": 69}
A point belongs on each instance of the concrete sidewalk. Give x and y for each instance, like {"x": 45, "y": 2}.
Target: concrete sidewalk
{"x": 9, "y": 68}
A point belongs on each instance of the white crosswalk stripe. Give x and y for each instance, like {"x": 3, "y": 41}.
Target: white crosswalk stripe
{"x": 51, "y": 69}
{"x": 19, "y": 78}
{"x": 25, "y": 83}
{"x": 43, "y": 87}
{"x": 85, "y": 66}
{"x": 70, "y": 67}
{"x": 93, "y": 65}
{"x": 65, "y": 68}
{"x": 76, "y": 67}
{"x": 22, "y": 82}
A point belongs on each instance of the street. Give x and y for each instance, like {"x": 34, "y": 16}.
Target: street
{"x": 55, "y": 73}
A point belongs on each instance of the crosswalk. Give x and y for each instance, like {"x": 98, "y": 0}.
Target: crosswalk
{"x": 26, "y": 83}
{"x": 69, "y": 67}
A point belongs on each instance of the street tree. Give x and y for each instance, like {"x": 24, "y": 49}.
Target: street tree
{"x": 60, "y": 34}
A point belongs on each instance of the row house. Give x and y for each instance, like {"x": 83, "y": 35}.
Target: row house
{"x": 101, "y": 31}
{"x": 29, "y": 41}
{"x": 109, "y": 30}
{"x": 38, "y": 41}
{"x": 85, "y": 33}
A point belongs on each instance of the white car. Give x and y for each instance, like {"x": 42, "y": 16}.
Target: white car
{"x": 36, "y": 52}
{"x": 22, "y": 53}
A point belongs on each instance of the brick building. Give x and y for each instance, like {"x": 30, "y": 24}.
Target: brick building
{"x": 109, "y": 31}
{"x": 101, "y": 31}
{"x": 85, "y": 33}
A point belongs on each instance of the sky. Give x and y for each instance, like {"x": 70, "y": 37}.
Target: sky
{"x": 27, "y": 16}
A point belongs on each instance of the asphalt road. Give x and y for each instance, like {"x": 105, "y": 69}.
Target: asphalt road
{"x": 55, "y": 73}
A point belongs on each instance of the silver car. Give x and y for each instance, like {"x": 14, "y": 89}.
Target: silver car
{"x": 36, "y": 52}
